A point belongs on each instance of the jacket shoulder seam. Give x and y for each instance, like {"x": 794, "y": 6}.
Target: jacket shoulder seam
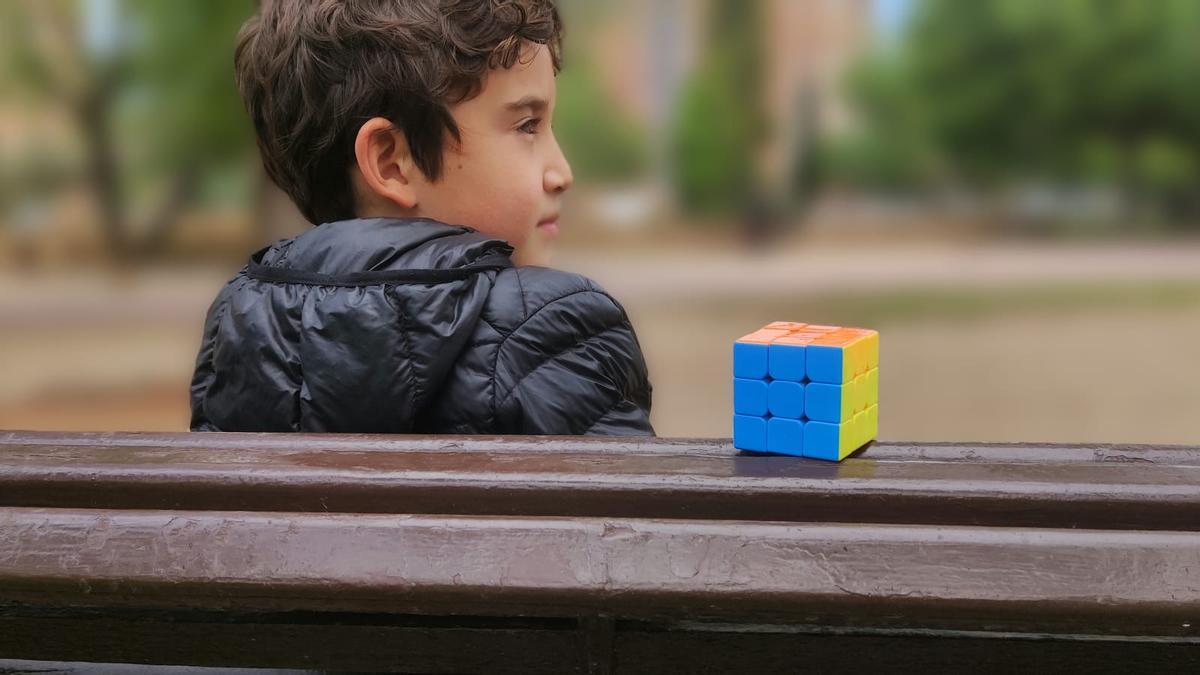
{"x": 548, "y": 303}
{"x": 524, "y": 300}
{"x": 550, "y": 357}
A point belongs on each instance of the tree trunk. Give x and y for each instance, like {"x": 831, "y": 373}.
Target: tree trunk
{"x": 93, "y": 111}
{"x": 162, "y": 223}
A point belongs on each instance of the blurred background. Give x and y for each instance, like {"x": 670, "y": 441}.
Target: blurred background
{"x": 1009, "y": 190}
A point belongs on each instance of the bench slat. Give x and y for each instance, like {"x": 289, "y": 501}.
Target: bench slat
{"x": 1028, "y": 579}
{"x": 1120, "y": 488}
{"x": 1054, "y": 453}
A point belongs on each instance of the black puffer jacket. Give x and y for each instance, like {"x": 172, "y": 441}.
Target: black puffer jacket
{"x": 413, "y": 326}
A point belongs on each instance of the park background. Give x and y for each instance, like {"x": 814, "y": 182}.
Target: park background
{"x": 1009, "y": 190}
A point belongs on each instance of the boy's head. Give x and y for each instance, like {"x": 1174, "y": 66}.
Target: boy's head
{"x": 411, "y": 108}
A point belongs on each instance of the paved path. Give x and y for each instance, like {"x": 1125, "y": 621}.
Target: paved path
{"x": 174, "y": 296}
{"x": 681, "y": 275}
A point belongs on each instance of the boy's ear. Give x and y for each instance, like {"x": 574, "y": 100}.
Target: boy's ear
{"x": 384, "y": 160}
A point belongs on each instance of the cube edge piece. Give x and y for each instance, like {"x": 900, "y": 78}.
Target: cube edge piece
{"x": 790, "y": 429}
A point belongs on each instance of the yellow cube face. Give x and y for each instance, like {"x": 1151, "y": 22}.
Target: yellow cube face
{"x": 860, "y": 355}
{"x": 854, "y": 434}
{"x": 851, "y": 359}
{"x": 871, "y": 385}
{"x": 862, "y": 392}
{"x": 858, "y": 430}
{"x": 858, "y": 394}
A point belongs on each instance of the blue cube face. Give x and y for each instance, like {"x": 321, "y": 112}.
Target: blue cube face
{"x": 749, "y": 360}
{"x": 823, "y": 402}
{"x": 785, "y": 399}
{"x": 822, "y": 441}
{"x": 749, "y": 397}
{"x": 786, "y": 362}
{"x": 823, "y": 364}
{"x": 785, "y": 436}
{"x": 749, "y": 433}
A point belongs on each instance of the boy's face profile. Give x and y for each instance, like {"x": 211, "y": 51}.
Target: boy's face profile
{"x": 507, "y": 176}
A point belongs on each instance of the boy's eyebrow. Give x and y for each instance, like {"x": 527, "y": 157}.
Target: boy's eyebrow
{"x": 534, "y": 103}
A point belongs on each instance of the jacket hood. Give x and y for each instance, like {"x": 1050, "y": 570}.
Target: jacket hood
{"x": 375, "y": 244}
{"x": 352, "y": 325}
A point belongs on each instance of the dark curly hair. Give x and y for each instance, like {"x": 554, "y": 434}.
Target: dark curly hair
{"x": 311, "y": 72}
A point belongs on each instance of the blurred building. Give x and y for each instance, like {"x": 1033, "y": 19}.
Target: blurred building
{"x": 810, "y": 45}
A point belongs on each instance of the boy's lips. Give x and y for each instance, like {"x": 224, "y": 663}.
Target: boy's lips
{"x": 549, "y": 226}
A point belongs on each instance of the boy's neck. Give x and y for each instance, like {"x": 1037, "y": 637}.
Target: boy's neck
{"x": 386, "y": 212}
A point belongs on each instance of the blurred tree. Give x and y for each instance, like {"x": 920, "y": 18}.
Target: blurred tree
{"x": 721, "y": 118}
{"x": 891, "y": 150}
{"x": 182, "y": 99}
{"x": 601, "y": 145}
{"x": 1069, "y": 92}
{"x": 149, "y": 88}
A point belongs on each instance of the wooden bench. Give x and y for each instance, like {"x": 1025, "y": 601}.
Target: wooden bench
{"x": 559, "y": 555}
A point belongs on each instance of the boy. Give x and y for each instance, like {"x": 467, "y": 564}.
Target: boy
{"x": 417, "y": 135}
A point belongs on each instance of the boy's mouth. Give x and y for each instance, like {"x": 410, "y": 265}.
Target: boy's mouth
{"x": 549, "y": 226}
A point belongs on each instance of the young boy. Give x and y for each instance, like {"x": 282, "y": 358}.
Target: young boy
{"x": 417, "y": 134}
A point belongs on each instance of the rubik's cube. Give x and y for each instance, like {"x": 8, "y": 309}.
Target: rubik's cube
{"x": 806, "y": 390}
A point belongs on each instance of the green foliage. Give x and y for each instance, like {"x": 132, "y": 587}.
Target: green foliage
{"x": 179, "y": 93}
{"x": 714, "y": 164}
{"x": 151, "y": 96}
{"x": 1020, "y": 83}
{"x": 892, "y": 150}
{"x": 721, "y": 121}
{"x": 1164, "y": 164}
{"x": 1068, "y": 91}
{"x": 601, "y": 145}
{"x": 169, "y": 76}
{"x": 24, "y": 71}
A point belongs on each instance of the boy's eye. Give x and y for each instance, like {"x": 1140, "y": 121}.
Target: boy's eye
{"x": 531, "y": 125}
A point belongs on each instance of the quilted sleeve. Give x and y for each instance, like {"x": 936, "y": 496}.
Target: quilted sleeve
{"x": 572, "y": 365}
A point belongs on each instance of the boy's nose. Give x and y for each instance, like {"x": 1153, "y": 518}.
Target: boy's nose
{"x": 558, "y": 180}
{"x": 558, "y": 175}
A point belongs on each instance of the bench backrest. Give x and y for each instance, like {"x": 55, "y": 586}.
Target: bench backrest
{"x": 446, "y": 554}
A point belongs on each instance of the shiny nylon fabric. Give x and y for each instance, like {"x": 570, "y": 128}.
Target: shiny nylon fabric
{"x": 413, "y": 326}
